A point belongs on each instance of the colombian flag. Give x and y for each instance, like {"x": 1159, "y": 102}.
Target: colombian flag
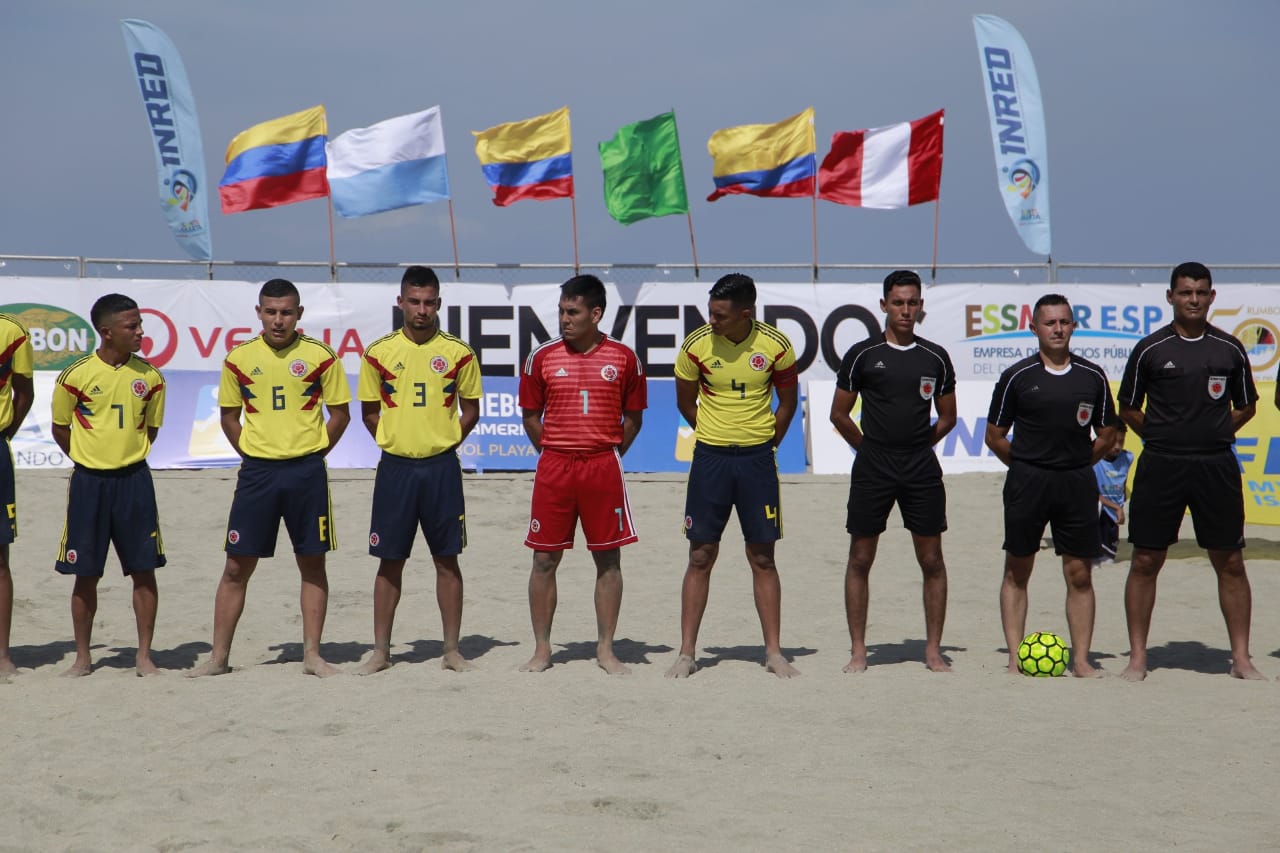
{"x": 527, "y": 159}
{"x": 777, "y": 160}
{"x": 277, "y": 162}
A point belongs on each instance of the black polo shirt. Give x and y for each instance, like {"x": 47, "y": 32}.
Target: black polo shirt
{"x": 897, "y": 385}
{"x": 1054, "y": 415}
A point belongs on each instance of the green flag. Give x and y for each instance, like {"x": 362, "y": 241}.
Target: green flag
{"x": 643, "y": 175}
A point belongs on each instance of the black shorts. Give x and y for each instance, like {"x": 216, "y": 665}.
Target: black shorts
{"x": 911, "y": 477}
{"x": 268, "y": 490}
{"x": 1165, "y": 486}
{"x": 1066, "y": 500}
{"x": 111, "y": 508}
{"x": 8, "y": 496}
{"x": 722, "y": 478}
{"x": 409, "y": 494}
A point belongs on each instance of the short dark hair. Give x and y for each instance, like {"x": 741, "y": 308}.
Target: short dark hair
{"x": 108, "y": 306}
{"x": 1050, "y": 299}
{"x": 590, "y": 288}
{"x": 738, "y": 288}
{"x": 279, "y": 288}
{"x": 902, "y": 278}
{"x": 1193, "y": 270}
{"x": 419, "y": 276}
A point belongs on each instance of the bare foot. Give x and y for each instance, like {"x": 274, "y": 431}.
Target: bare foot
{"x": 537, "y": 663}
{"x": 1245, "y": 669}
{"x": 144, "y": 667}
{"x": 610, "y": 664}
{"x": 1082, "y": 669}
{"x": 455, "y": 661}
{"x": 209, "y": 668}
{"x": 683, "y": 667}
{"x": 935, "y": 662}
{"x": 7, "y": 667}
{"x": 1134, "y": 673}
{"x": 375, "y": 664}
{"x": 1014, "y": 669}
{"x": 319, "y": 667}
{"x": 78, "y": 669}
{"x": 780, "y": 666}
{"x": 857, "y": 663}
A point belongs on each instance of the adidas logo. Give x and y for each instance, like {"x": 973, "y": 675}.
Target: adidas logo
{"x": 562, "y": 372}
{"x": 95, "y": 390}
{"x": 879, "y": 365}
{"x": 717, "y": 363}
{"x": 1168, "y": 365}
{"x": 1035, "y": 388}
{"x": 399, "y": 366}
{"x": 257, "y": 371}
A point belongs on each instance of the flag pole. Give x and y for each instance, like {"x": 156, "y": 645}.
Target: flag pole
{"x": 453, "y": 233}
{"x": 573, "y": 211}
{"x": 815, "y": 227}
{"x": 333, "y": 260}
{"x": 693, "y": 245}
{"x": 937, "y": 205}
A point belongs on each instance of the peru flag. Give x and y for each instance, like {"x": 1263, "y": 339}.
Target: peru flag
{"x": 884, "y": 167}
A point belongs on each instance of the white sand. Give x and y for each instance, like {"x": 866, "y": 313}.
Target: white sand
{"x": 416, "y": 758}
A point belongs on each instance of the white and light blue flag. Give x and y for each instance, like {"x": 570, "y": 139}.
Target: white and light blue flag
{"x": 394, "y": 163}
{"x": 175, "y": 135}
{"x": 1017, "y": 128}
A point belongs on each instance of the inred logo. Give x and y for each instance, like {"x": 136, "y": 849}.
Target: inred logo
{"x": 158, "y": 349}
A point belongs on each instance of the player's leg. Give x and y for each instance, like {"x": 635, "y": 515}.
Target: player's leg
{"x": 553, "y": 517}
{"x": 933, "y": 570}
{"x": 135, "y": 530}
{"x": 695, "y": 589}
{"x": 1156, "y": 509}
{"x": 1078, "y": 540}
{"x": 871, "y": 496}
{"x": 449, "y": 599}
{"x": 84, "y": 606}
{"x": 922, "y": 497}
{"x": 7, "y": 666}
{"x": 767, "y": 590}
{"x": 313, "y": 599}
{"x": 1013, "y": 602}
{"x": 228, "y": 605}
{"x": 146, "y": 600}
{"x": 1027, "y": 496}
{"x": 83, "y": 553}
{"x": 608, "y": 601}
{"x": 1078, "y": 573}
{"x": 758, "y": 499}
{"x": 1236, "y": 599}
{"x": 1139, "y": 603}
{"x": 386, "y": 598}
{"x": 857, "y": 595}
{"x": 607, "y": 525}
{"x": 542, "y": 607}
{"x": 393, "y": 524}
{"x": 302, "y": 490}
{"x": 444, "y": 523}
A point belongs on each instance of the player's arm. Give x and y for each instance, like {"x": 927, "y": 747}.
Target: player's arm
{"x": 370, "y": 415}
{"x": 687, "y": 400}
{"x": 631, "y": 422}
{"x": 997, "y": 438}
{"x": 231, "y": 428}
{"x": 1134, "y": 417}
{"x": 788, "y": 400}
{"x": 1242, "y": 415}
{"x": 23, "y": 395}
{"x": 1102, "y": 442}
{"x": 1276, "y": 399}
{"x": 336, "y": 425}
{"x": 468, "y": 414}
{"x": 533, "y": 426}
{"x": 946, "y": 406}
{"x": 62, "y": 437}
{"x": 842, "y": 417}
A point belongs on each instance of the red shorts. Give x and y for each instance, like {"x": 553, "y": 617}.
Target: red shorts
{"x": 568, "y": 486}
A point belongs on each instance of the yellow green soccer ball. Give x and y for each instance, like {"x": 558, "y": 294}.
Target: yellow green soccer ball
{"x": 1043, "y": 654}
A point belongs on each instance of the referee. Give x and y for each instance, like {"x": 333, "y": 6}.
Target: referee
{"x": 1060, "y": 409}
{"x": 1197, "y": 385}
{"x": 901, "y": 378}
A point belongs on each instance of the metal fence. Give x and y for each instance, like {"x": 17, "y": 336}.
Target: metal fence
{"x": 71, "y": 266}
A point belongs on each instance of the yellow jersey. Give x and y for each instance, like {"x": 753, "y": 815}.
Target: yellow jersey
{"x": 282, "y": 392}
{"x": 418, "y": 386}
{"x": 109, "y": 410}
{"x": 736, "y": 382}
{"x": 15, "y": 357}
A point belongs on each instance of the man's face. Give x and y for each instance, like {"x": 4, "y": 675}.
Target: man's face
{"x": 729, "y": 320}
{"x": 578, "y": 322}
{"x": 123, "y": 331}
{"x": 902, "y": 307}
{"x": 1191, "y": 299}
{"x": 279, "y": 316}
{"x": 420, "y": 305}
{"x": 1053, "y": 325}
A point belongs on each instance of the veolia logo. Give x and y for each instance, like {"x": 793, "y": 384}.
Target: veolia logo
{"x": 58, "y": 336}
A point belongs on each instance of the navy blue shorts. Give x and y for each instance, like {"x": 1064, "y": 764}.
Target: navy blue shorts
{"x": 1165, "y": 486}
{"x": 910, "y": 477}
{"x": 409, "y": 494}
{"x": 1066, "y": 500}
{"x": 268, "y": 490}
{"x": 724, "y": 478}
{"x": 111, "y": 508}
{"x": 8, "y": 496}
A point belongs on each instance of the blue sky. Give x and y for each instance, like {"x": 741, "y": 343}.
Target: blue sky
{"x": 1161, "y": 122}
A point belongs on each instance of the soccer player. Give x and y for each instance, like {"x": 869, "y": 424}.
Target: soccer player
{"x": 582, "y": 397}
{"x": 900, "y": 376}
{"x": 16, "y": 395}
{"x": 107, "y": 408}
{"x": 1197, "y": 384}
{"x": 1060, "y": 409}
{"x": 726, "y": 375}
{"x": 419, "y": 398}
{"x": 279, "y": 379}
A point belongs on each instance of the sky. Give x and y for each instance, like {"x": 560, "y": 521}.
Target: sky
{"x": 1161, "y": 121}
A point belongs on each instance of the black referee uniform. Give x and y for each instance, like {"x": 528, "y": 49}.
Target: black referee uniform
{"x": 1054, "y": 416}
{"x": 896, "y": 461}
{"x": 1189, "y": 386}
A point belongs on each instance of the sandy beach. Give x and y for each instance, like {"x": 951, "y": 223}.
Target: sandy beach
{"x": 416, "y": 758}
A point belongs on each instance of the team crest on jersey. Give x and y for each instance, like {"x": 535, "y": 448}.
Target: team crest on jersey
{"x": 534, "y": 525}
{"x": 1084, "y": 413}
{"x": 928, "y": 384}
{"x": 688, "y": 522}
{"x": 1217, "y": 387}
{"x": 758, "y": 361}
{"x": 72, "y": 556}
{"x": 609, "y": 373}
{"x": 439, "y": 364}
{"x": 374, "y": 539}
{"x": 298, "y": 368}
{"x": 233, "y": 536}
{"x": 140, "y": 388}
